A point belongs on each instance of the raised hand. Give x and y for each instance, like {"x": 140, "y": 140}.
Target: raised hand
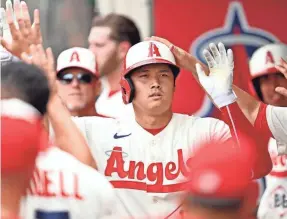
{"x": 218, "y": 84}
{"x": 183, "y": 59}
{"x": 282, "y": 67}
{"x": 44, "y": 60}
{"x": 22, "y": 32}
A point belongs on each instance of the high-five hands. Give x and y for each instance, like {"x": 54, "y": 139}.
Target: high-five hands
{"x": 44, "y": 60}
{"x": 19, "y": 32}
{"x": 218, "y": 84}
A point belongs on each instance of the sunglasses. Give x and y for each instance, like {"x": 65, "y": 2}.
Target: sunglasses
{"x": 83, "y": 78}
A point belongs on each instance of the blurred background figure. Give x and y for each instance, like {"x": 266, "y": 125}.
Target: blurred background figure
{"x": 78, "y": 81}
{"x": 24, "y": 97}
{"x": 218, "y": 185}
{"x": 110, "y": 38}
{"x": 265, "y": 78}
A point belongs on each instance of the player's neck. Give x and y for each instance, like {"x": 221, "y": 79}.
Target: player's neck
{"x": 89, "y": 111}
{"x": 153, "y": 121}
{"x": 114, "y": 79}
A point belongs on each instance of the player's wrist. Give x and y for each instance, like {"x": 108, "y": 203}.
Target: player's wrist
{"x": 225, "y": 99}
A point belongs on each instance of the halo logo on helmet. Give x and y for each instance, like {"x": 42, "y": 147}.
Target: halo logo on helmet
{"x": 269, "y": 58}
{"x": 75, "y": 57}
{"x": 141, "y": 54}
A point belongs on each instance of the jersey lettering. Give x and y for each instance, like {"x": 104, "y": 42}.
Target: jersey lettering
{"x": 155, "y": 172}
{"x": 269, "y": 58}
{"x": 42, "y": 185}
{"x": 153, "y": 51}
{"x": 280, "y": 201}
{"x": 75, "y": 57}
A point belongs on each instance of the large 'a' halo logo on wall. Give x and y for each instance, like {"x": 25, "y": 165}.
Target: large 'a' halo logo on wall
{"x": 236, "y": 31}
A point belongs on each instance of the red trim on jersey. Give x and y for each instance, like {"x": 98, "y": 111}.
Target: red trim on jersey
{"x": 261, "y": 123}
{"x": 278, "y": 174}
{"x": 112, "y": 92}
{"x": 155, "y": 131}
{"x": 124, "y": 184}
{"x": 238, "y": 123}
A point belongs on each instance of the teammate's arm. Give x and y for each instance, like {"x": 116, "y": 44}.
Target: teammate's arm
{"x": 67, "y": 136}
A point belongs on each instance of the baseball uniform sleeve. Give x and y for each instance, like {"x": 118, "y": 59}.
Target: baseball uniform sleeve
{"x": 240, "y": 127}
{"x": 95, "y": 129}
{"x": 277, "y": 122}
{"x": 210, "y": 129}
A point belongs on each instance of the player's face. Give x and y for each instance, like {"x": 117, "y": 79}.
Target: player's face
{"x": 268, "y": 83}
{"x": 154, "y": 88}
{"x": 105, "y": 49}
{"x": 78, "y": 88}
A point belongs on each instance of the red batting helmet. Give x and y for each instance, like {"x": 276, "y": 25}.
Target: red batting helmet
{"x": 144, "y": 53}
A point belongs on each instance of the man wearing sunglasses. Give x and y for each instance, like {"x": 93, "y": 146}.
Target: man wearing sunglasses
{"x": 77, "y": 81}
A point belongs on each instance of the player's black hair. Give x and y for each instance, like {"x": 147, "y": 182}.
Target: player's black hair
{"x": 25, "y": 82}
{"x": 256, "y": 85}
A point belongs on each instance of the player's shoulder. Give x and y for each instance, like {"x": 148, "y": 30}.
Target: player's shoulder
{"x": 192, "y": 120}
{"x": 56, "y": 159}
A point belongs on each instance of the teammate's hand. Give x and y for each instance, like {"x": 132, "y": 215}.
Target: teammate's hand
{"x": 44, "y": 60}
{"x": 218, "y": 84}
{"x": 283, "y": 69}
{"x": 182, "y": 58}
{"x": 20, "y": 33}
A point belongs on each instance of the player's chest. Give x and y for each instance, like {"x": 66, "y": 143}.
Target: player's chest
{"x": 154, "y": 164}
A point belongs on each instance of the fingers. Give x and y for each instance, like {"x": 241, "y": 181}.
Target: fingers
{"x": 10, "y": 21}
{"x": 281, "y": 90}
{"x": 17, "y": 9}
{"x": 50, "y": 57}
{"x": 162, "y": 40}
{"x": 222, "y": 52}
{"x": 36, "y": 27}
{"x": 282, "y": 67}
{"x": 230, "y": 58}
{"x": 209, "y": 59}
{"x": 5, "y": 44}
{"x": 4, "y": 23}
{"x": 215, "y": 52}
{"x": 25, "y": 14}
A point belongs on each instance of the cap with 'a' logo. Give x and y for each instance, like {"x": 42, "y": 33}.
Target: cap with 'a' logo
{"x": 79, "y": 58}
{"x": 265, "y": 58}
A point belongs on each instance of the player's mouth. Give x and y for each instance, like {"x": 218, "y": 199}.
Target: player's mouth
{"x": 156, "y": 94}
{"x": 75, "y": 94}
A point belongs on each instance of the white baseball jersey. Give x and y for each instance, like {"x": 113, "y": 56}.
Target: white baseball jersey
{"x": 63, "y": 187}
{"x": 113, "y": 106}
{"x": 274, "y": 199}
{"x": 277, "y": 122}
{"x": 148, "y": 170}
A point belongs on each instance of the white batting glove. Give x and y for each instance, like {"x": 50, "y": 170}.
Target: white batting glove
{"x": 218, "y": 84}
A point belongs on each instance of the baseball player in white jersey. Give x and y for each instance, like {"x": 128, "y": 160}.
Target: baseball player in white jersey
{"x": 265, "y": 78}
{"x": 146, "y": 158}
{"x": 62, "y": 187}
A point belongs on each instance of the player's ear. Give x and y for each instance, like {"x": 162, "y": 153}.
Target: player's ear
{"x": 123, "y": 49}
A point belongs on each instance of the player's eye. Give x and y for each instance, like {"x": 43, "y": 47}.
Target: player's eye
{"x": 143, "y": 75}
{"x": 164, "y": 74}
